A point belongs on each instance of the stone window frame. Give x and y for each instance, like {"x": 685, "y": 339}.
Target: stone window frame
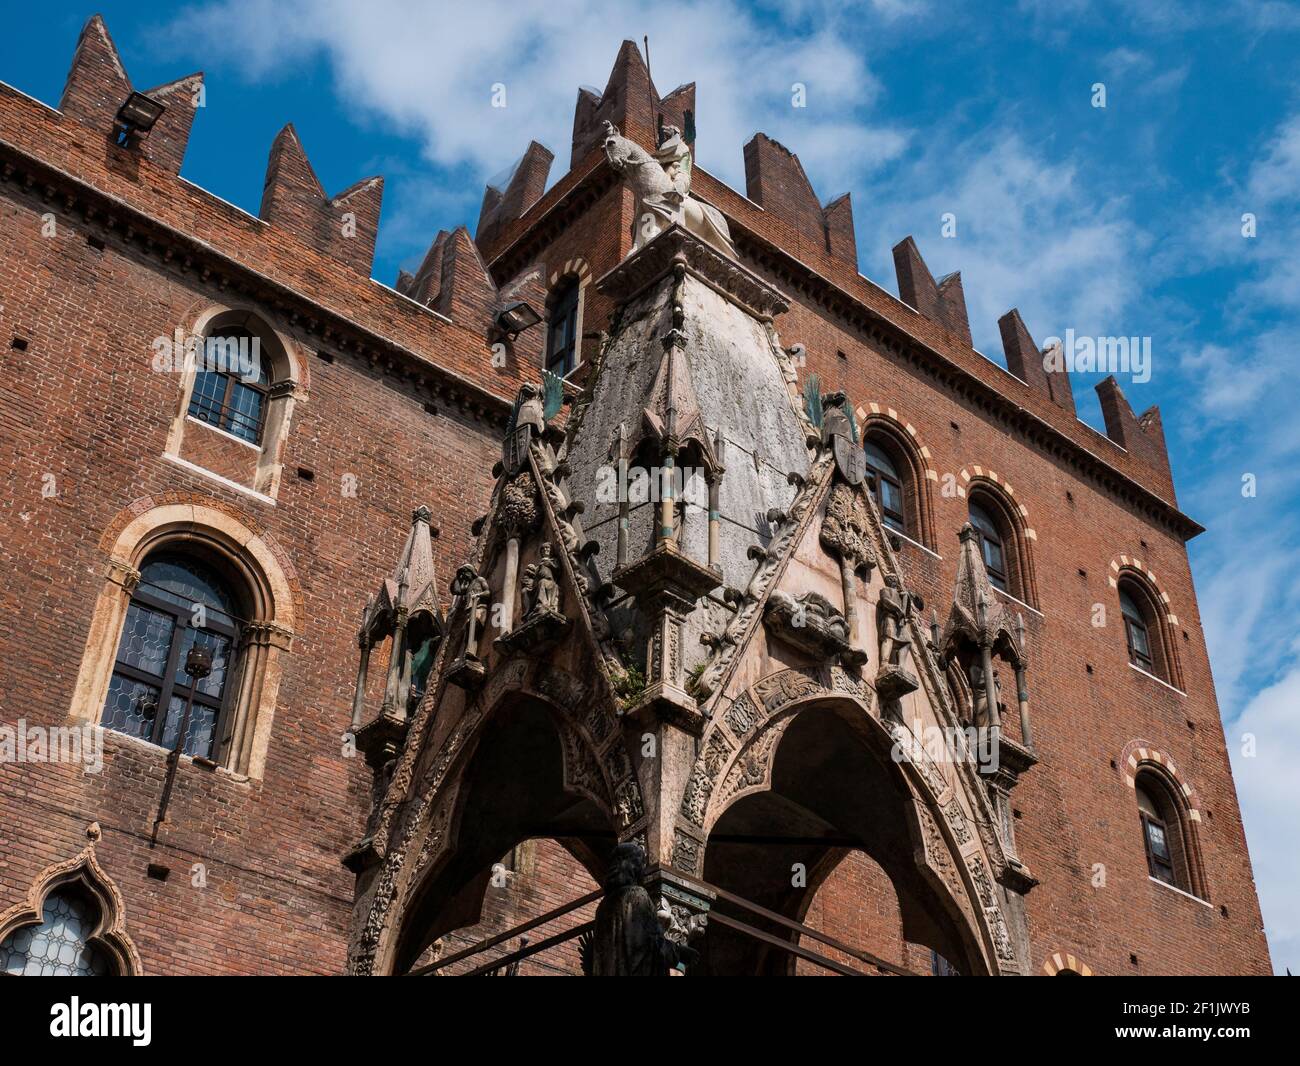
{"x": 990, "y": 498}
{"x": 1161, "y": 622}
{"x": 83, "y": 873}
{"x": 265, "y": 640}
{"x": 575, "y": 272}
{"x": 285, "y": 375}
{"x": 912, "y": 458}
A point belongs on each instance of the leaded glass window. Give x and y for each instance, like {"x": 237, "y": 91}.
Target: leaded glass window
{"x": 60, "y": 945}
{"x": 179, "y": 600}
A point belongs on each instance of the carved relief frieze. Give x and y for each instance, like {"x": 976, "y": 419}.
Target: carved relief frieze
{"x": 956, "y": 819}
{"x": 559, "y": 686}
{"x": 778, "y": 690}
{"x": 686, "y": 853}
{"x": 741, "y": 716}
{"x": 700, "y": 786}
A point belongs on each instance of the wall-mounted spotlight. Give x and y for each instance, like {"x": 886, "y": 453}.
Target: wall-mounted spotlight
{"x": 514, "y": 318}
{"x": 136, "y": 117}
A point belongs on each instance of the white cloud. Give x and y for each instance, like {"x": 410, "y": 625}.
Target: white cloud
{"x": 1030, "y": 234}
{"x": 1268, "y": 789}
{"x": 429, "y": 70}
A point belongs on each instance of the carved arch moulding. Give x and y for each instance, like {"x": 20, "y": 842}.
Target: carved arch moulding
{"x": 956, "y": 844}
{"x": 595, "y": 764}
{"x": 84, "y": 871}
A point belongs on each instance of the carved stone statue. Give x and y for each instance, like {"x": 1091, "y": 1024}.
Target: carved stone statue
{"x": 839, "y": 433}
{"x": 628, "y": 939}
{"x": 811, "y": 622}
{"x": 662, "y": 183}
{"x": 980, "y": 694}
{"x": 474, "y": 591}
{"x": 892, "y": 610}
{"x": 539, "y": 589}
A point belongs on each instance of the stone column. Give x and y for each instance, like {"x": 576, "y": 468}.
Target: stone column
{"x": 359, "y": 697}
{"x": 393, "y": 706}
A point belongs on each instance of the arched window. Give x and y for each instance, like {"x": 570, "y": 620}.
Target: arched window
{"x": 1136, "y": 633}
{"x": 61, "y": 944}
{"x": 889, "y": 485}
{"x": 1147, "y": 637}
{"x": 231, "y": 383}
{"x": 1167, "y": 835}
{"x": 180, "y": 599}
{"x": 1155, "y": 838}
{"x": 994, "y": 545}
{"x": 562, "y": 329}
{"x": 235, "y": 399}
{"x": 173, "y": 569}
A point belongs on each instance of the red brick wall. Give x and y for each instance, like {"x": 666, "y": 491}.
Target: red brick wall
{"x": 83, "y": 404}
{"x": 538, "y": 877}
{"x": 80, "y": 403}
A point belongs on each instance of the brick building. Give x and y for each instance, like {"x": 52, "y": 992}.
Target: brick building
{"x": 302, "y": 833}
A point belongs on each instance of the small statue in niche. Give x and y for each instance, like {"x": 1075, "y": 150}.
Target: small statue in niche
{"x": 980, "y": 694}
{"x": 893, "y": 608}
{"x": 474, "y": 591}
{"x": 628, "y": 939}
{"x": 540, "y": 589}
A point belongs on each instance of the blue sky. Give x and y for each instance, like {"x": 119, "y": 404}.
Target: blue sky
{"x": 1122, "y": 221}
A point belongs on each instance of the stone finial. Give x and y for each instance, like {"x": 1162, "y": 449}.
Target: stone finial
{"x": 977, "y": 615}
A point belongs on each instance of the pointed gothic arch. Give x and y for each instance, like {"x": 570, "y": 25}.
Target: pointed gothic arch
{"x": 83, "y": 875}
{"x": 743, "y": 782}
{"x": 569, "y": 778}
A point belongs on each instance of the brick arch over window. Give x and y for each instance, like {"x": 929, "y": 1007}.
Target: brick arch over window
{"x": 879, "y": 420}
{"x": 1140, "y": 759}
{"x": 1060, "y": 962}
{"x": 576, "y": 267}
{"x": 176, "y": 522}
{"x": 1128, "y": 570}
{"x": 987, "y": 485}
{"x": 252, "y": 464}
{"x": 81, "y": 873}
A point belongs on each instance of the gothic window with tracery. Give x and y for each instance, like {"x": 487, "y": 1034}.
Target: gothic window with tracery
{"x": 60, "y": 945}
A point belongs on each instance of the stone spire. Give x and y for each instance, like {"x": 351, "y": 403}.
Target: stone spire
{"x": 405, "y": 611}
{"x": 412, "y": 587}
{"x": 977, "y": 615}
